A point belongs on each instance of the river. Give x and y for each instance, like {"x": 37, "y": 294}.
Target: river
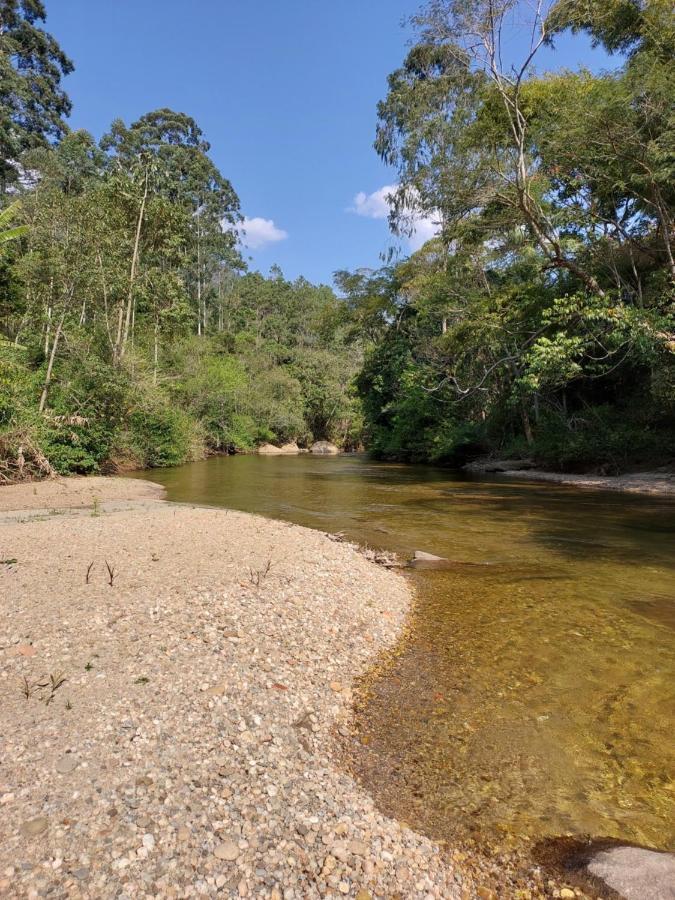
{"x": 533, "y": 696}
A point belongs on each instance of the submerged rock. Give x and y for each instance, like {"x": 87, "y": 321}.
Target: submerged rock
{"x": 483, "y": 465}
{"x": 422, "y": 556}
{"x": 324, "y": 447}
{"x": 422, "y": 560}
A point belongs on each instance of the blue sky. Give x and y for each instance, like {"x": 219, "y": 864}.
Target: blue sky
{"x": 284, "y": 90}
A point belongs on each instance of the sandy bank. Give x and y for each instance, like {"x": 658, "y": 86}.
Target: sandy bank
{"x": 76, "y": 492}
{"x": 171, "y": 678}
{"x": 636, "y": 483}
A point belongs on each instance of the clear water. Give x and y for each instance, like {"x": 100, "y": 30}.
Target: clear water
{"x": 533, "y": 695}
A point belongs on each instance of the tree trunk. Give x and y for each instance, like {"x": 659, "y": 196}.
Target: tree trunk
{"x": 155, "y": 353}
{"x": 132, "y": 273}
{"x": 50, "y": 364}
{"x": 527, "y": 427}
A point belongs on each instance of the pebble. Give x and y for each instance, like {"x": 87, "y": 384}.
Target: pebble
{"x": 66, "y": 764}
{"x": 205, "y": 761}
{"x": 149, "y": 841}
{"x": 33, "y": 827}
{"x": 228, "y": 850}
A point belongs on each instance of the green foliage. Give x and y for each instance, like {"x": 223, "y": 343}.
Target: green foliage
{"x": 541, "y": 319}
{"x": 33, "y": 105}
{"x": 162, "y": 435}
{"x": 130, "y": 336}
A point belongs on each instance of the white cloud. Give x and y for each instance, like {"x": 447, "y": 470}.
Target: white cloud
{"x": 378, "y": 205}
{"x": 257, "y": 232}
{"x": 375, "y": 205}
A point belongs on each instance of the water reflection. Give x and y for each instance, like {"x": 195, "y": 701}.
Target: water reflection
{"x": 535, "y": 696}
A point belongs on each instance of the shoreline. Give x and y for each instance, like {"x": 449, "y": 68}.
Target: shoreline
{"x": 213, "y": 604}
{"x": 190, "y": 747}
{"x": 652, "y": 483}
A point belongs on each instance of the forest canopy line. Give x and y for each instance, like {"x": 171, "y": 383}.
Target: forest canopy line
{"x": 540, "y": 321}
{"x": 131, "y": 334}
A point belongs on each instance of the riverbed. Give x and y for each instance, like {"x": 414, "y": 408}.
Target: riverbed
{"x": 532, "y": 694}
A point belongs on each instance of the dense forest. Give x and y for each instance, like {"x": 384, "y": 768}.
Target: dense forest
{"x": 539, "y": 322}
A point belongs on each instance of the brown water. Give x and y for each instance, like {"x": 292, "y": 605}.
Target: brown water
{"x": 534, "y": 695}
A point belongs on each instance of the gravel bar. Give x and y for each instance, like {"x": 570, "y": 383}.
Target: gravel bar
{"x": 172, "y": 678}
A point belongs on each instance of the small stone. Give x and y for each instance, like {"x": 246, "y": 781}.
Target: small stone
{"x": 336, "y": 686}
{"x": 183, "y": 834}
{"x": 66, "y": 764}
{"x": 81, "y": 874}
{"x": 358, "y": 848}
{"x": 33, "y": 827}
{"x": 228, "y": 851}
{"x": 343, "y": 887}
{"x": 26, "y": 650}
{"x": 6, "y": 798}
{"x": 216, "y": 690}
{"x": 149, "y": 841}
{"x": 567, "y": 893}
{"x": 363, "y": 894}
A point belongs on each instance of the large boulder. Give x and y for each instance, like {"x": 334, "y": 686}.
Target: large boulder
{"x": 269, "y": 450}
{"x": 324, "y": 448}
{"x": 636, "y": 873}
{"x": 290, "y": 449}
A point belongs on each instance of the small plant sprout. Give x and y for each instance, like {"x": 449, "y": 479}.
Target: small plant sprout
{"x": 28, "y": 688}
{"x": 112, "y": 572}
{"x": 257, "y": 576}
{"x": 54, "y": 683}
{"x": 96, "y": 507}
{"x": 45, "y": 687}
{"x": 89, "y": 568}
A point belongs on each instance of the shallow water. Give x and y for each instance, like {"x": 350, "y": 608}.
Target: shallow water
{"x": 534, "y": 695}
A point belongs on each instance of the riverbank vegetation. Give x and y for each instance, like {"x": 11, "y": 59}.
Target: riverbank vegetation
{"x": 131, "y": 333}
{"x": 538, "y": 322}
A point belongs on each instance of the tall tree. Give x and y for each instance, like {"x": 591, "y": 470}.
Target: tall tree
{"x": 164, "y": 153}
{"x": 33, "y": 104}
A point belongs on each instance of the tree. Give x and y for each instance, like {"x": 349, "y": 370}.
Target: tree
{"x": 7, "y": 232}
{"x": 33, "y": 105}
{"x": 165, "y": 153}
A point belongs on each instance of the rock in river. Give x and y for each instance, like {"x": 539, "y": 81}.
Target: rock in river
{"x": 324, "y": 448}
{"x": 269, "y": 450}
{"x": 636, "y": 873}
{"x": 423, "y": 560}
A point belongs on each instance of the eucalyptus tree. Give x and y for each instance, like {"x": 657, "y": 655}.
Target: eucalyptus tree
{"x": 164, "y": 154}
{"x": 33, "y": 103}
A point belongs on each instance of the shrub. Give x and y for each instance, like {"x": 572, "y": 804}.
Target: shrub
{"x": 163, "y": 435}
